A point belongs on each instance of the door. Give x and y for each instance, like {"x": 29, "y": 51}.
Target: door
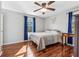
{"x": 76, "y": 47}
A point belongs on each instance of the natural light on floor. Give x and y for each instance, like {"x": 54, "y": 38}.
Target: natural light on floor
{"x": 21, "y": 52}
{"x": 29, "y": 52}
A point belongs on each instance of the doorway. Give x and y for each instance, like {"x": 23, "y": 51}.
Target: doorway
{"x": 76, "y": 41}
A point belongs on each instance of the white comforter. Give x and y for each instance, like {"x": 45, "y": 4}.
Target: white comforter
{"x": 45, "y": 38}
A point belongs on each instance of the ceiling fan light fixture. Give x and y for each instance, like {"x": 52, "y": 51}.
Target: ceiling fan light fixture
{"x": 43, "y": 10}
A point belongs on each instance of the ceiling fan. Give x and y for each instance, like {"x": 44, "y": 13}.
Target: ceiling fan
{"x": 44, "y": 6}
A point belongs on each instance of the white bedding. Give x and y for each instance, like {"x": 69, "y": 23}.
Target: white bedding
{"x": 45, "y": 38}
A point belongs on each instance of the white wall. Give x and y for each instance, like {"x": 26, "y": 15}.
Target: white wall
{"x": 0, "y": 31}
{"x": 14, "y": 26}
{"x": 39, "y": 24}
{"x": 0, "y": 23}
{"x": 59, "y": 22}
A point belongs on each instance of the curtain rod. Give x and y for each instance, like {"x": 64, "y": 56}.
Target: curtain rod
{"x": 73, "y": 11}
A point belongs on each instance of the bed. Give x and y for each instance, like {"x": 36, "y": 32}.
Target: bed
{"x": 42, "y": 39}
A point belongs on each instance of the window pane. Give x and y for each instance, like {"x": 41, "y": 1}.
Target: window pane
{"x": 29, "y": 24}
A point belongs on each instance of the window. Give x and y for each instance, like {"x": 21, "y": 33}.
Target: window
{"x": 73, "y": 25}
{"x": 29, "y": 24}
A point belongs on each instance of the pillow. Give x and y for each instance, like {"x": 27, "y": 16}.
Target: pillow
{"x": 49, "y": 30}
{"x": 56, "y": 30}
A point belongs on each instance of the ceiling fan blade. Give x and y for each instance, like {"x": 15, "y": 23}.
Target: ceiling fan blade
{"x": 43, "y": 4}
{"x": 51, "y": 9}
{"x": 37, "y": 9}
{"x": 37, "y": 3}
{"x": 50, "y": 2}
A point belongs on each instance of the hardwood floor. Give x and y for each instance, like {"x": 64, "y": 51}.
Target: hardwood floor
{"x": 28, "y": 49}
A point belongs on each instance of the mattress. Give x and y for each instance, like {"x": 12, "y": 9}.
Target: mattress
{"x": 45, "y": 38}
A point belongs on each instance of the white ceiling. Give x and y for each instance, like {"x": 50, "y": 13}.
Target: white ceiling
{"x": 28, "y": 7}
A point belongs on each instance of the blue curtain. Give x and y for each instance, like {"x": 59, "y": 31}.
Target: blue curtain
{"x": 25, "y": 28}
{"x": 70, "y": 39}
{"x": 34, "y": 25}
